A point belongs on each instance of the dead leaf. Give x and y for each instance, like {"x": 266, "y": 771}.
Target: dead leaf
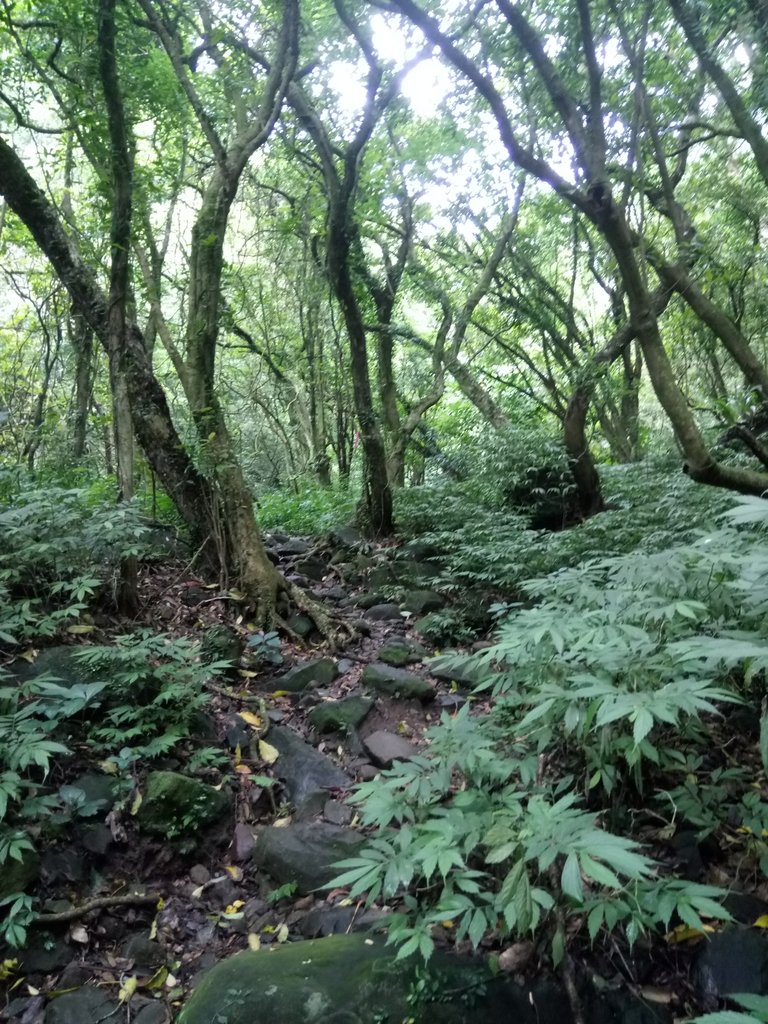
{"x": 136, "y": 802}
{"x": 198, "y": 892}
{"x": 158, "y": 978}
{"x": 281, "y": 693}
{"x": 170, "y": 981}
{"x": 656, "y": 995}
{"x": 234, "y": 872}
{"x": 267, "y": 752}
{"x": 254, "y": 942}
{"x": 242, "y": 769}
{"x": 251, "y": 718}
{"x": 127, "y": 989}
{"x": 78, "y": 628}
{"x": 282, "y": 933}
{"x": 761, "y": 922}
{"x": 684, "y": 932}
{"x": 108, "y": 767}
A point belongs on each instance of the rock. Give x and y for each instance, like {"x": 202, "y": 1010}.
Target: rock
{"x": 98, "y": 790}
{"x": 65, "y": 865}
{"x": 44, "y": 954}
{"x": 302, "y": 769}
{"x": 313, "y": 568}
{"x": 175, "y": 805}
{"x": 152, "y": 1013}
{"x": 732, "y": 961}
{"x": 516, "y": 957}
{"x": 335, "y": 593}
{"x": 357, "y": 980}
{"x": 243, "y": 842}
{"x": 340, "y": 715}
{"x": 221, "y": 643}
{"x": 382, "y": 575}
{"x": 292, "y": 546}
{"x": 745, "y": 907}
{"x": 59, "y": 662}
{"x": 144, "y": 952}
{"x": 366, "y": 601}
{"x": 346, "y": 536}
{"x": 304, "y": 852}
{"x": 451, "y": 701}
{"x": 442, "y": 668}
{"x": 301, "y": 625}
{"x": 386, "y": 747}
{"x": 401, "y": 652}
{"x": 419, "y": 602}
{"x": 96, "y": 838}
{"x": 367, "y": 772}
{"x": 321, "y": 671}
{"x": 199, "y": 874}
{"x": 85, "y": 1006}
{"x": 396, "y": 681}
{"x": 18, "y": 875}
{"x": 384, "y": 612}
{"x": 337, "y": 813}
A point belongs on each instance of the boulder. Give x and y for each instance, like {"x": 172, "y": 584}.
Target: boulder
{"x": 313, "y": 568}
{"x": 292, "y": 546}
{"x": 397, "y": 682}
{"x": 303, "y": 770}
{"x": 175, "y": 805}
{"x": 384, "y": 748}
{"x": 419, "y": 602}
{"x": 340, "y": 715}
{"x": 301, "y": 625}
{"x": 357, "y": 980}
{"x": 321, "y": 671}
{"x": 305, "y": 852}
{"x": 346, "y": 536}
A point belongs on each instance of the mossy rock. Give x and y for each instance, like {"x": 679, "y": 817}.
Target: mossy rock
{"x": 357, "y": 980}
{"x": 175, "y": 805}
{"x": 397, "y": 682}
{"x": 401, "y": 652}
{"x": 340, "y": 715}
{"x": 321, "y": 672}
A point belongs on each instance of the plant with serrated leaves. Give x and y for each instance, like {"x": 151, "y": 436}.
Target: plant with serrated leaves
{"x": 155, "y": 693}
{"x": 755, "y": 1005}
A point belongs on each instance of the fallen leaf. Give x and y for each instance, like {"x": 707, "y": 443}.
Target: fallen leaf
{"x": 684, "y": 932}
{"x": 282, "y": 822}
{"x": 127, "y": 989}
{"x": 254, "y": 942}
{"x": 656, "y": 995}
{"x": 78, "y": 628}
{"x": 247, "y": 674}
{"x": 108, "y": 767}
{"x": 282, "y": 933}
{"x": 234, "y": 872}
{"x": 267, "y": 752}
{"x": 7, "y": 968}
{"x": 158, "y": 978}
{"x": 761, "y": 922}
{"x": 198, "y": 892}
{"x": 136, "y": 802}
{"x": 251, "y": 718}
{"x": 153, "y": 930}
{"x": 171, "y": 982}
{"x": 281, "y": 693}
{"x": 242, "y": 769}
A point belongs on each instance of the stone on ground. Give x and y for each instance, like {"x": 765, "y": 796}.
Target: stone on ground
{"x": 305, "y": 852}
{"x": 384, "y": 748}
{"x": 87, "y": 1005}
{"x": 384, "y": 612}
{"x": 321, "y": 671}
{"x": 175, "y": 805}
{"x": 733, "y": 961}
{"x": 303, "y": 770}
{"x": 340, "y": 715}
{"x": 397, "y": 682}
{"x": 401, "y": 652}
{"x": 419, "y": 602}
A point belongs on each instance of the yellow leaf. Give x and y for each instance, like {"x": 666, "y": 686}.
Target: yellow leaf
{"x": 136, "y": 802}
{"x": 345, "y": 903}
{"x": 236, "y": 595}
{"x": 684, "y": 932}
{"x": 198, "y": 892}
{"x": 127, "y": 990}
{"x": 233, "y": 908}
{"x": 242, "y": 769}
{"x": 80, "y": 627}
{"x": 761, "y": 922}
{"x": 153, "y": 929}
{"x": 234, "y": 872}
{"x": 7, "y": 968}
{"x": 238, "y": 755}
{"x": 267, "y": 752}
{"x": 158, "y": 978}
{"x": 160, "y": 905}
{"x": 33, "y": 991}
{"x": 282, "y": 933}
{"x": 447, "y": 924}
{"x": 251, "y": 718}
{"x": 171, "y": 982}
{"x": 281, "y": 693}
{"x": 246, "y": 674}
{"x": 282, "y": 822}
{"x": 108, "y": 767}
{"x": 212, "y": 436}
{"x": 254, "y": 942}
{"x": 29, "y": 655}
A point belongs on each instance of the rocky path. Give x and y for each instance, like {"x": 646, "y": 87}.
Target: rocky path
{"x": 240, "y": 859}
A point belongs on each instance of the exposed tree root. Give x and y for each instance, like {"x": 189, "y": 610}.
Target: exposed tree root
{"x": 98, "y": 903}
{"x": 332, "y": 629}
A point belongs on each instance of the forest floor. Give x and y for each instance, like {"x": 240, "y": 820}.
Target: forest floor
{"x": 168, "y": 910}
